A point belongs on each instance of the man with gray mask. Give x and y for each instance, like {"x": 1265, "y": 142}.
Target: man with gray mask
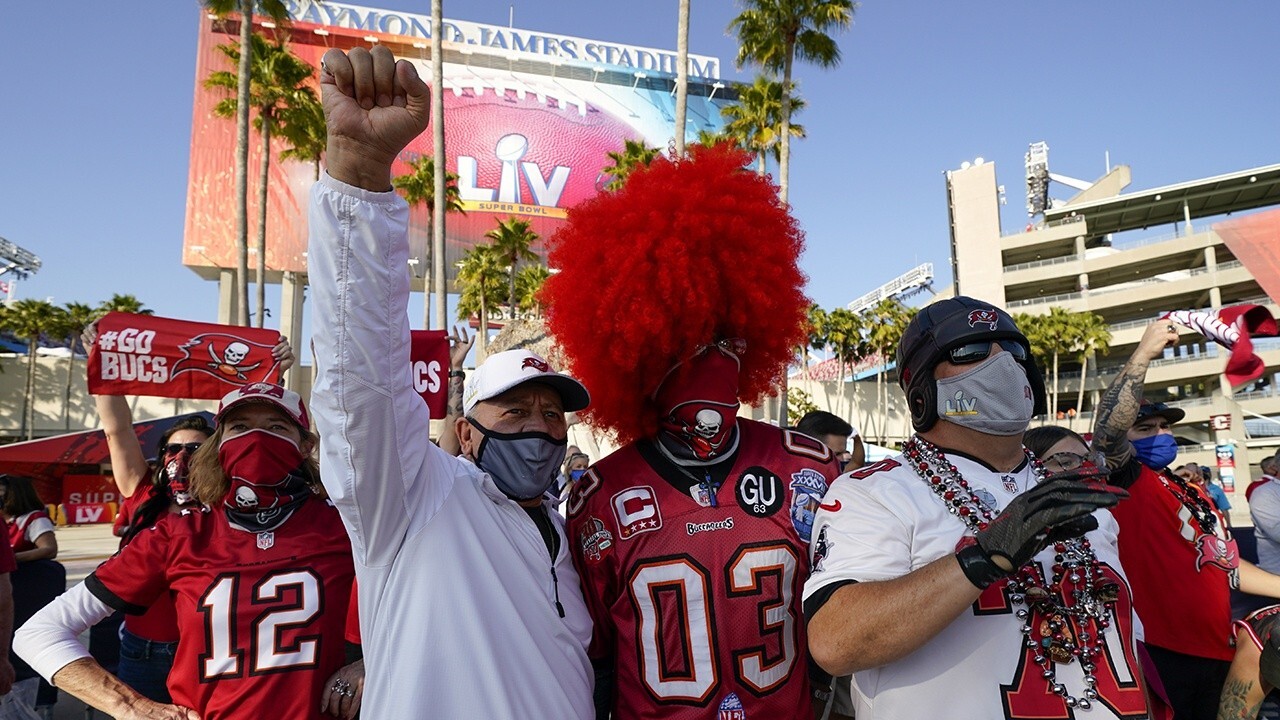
{"x": 469, "y": 602}
{"x": 955, "y": 580}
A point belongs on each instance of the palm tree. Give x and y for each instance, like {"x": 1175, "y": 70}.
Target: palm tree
{"x": 885, "y": 323}
{"x": 512, "y": 240}
{"x": 278, "y": 11}
{"x": 439, "y": 208}
{"x": 276, "y": 79}
{"x": 774, "y": 33}
{"x": 123, "y": 303}
{"x": 1055, "y": 335}
{"x": 844, "y": 332}
{"x": 1037, "y": 333}
{"x": 419, "y": 187}
{"x": 75, "y": 317}
{"x": 480, "y": 283}
{"x": 682, "y": 75}
{"x": 755, "y": 120}
{"x": 816, "y": 332}
{"x": 528, "y": 283}
{"x": 302, "y": 127}
{"x": 1092, "y": 335}
{"x": 634, "y": 154}
{"x": 708, "y": 138}
{"x": 29, "y": 320}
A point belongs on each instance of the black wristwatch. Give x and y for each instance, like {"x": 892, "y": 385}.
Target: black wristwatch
{"x": 457, "y": 374}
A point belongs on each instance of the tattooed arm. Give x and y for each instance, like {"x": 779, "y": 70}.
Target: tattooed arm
{"x": 1244, "y": 691}
{"x": 1119, "y": 406}
{"x": 459, "y": 346}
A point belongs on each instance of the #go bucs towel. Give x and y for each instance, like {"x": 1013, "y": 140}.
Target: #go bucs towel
{"x": 149, "y": 355}
{"x": 1233, "y": 328}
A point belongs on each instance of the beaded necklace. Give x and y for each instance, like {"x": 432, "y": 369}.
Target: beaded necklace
{"x": 1064, "y": 619}
{"x": 1193, "y": 501}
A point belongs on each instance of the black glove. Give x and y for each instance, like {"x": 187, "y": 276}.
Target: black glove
{"x": 1266, "y": 625}
{"x": 1056, "y": 509}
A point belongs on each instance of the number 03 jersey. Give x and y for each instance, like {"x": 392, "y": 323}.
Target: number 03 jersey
{"x": 698, "y": 605}
{"x": 883, "y": 522}
{"x": 260, "y": 615}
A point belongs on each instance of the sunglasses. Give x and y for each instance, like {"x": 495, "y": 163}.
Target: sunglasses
{"x": 175, "y": 448}
{"x": 976, "y": 351}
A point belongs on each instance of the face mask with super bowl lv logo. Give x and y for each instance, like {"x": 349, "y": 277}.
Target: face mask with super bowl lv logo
{"x": 993, "y": 397}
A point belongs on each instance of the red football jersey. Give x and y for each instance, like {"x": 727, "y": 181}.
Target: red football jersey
{"x": 260, "y": 615}
{"x": 1181, "y": 575}
{"x": 699, "y": 604}
{"x": 129, "y": 505}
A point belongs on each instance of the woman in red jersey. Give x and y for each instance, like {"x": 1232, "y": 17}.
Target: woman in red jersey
{"x": 260, "y": 578}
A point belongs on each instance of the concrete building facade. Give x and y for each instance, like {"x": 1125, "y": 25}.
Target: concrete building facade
{"x": 1130, "y": 257}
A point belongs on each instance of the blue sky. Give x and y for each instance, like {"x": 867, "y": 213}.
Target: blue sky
{"x": 96, "y": 123}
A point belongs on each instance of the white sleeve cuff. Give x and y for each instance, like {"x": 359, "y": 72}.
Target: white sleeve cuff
{"x": 49, "y": 640}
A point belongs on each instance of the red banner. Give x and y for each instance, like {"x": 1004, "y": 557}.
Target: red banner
{"x": 88, "y": 513}
{"x": 82, "y": 489}
{"x": 429, "y": 366}
{"x": 1255, "y": 241}
{"x": 149, "y": 355}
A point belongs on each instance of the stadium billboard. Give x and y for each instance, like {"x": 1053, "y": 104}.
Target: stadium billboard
{"x": 529, "y": 118}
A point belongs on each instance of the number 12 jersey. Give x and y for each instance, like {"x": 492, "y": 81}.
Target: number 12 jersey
{"x": 260, "y": 615}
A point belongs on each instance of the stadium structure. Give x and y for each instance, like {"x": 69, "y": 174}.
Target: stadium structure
{"x": 1129, "y": 257}
{"x": 529, "y": 119}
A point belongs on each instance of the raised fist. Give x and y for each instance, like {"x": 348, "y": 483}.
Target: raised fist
{"x": 374, "y": 106}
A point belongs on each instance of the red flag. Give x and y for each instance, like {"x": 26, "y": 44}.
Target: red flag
{"x": 149, "y": 355}
{"x": 429, "y": 366}
{"x": 1233, "y": 328}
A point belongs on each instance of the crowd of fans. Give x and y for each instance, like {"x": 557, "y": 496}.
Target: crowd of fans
{"x": 712, "y": 566}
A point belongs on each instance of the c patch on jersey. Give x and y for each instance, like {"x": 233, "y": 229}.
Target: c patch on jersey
{"x": 807, "y": 488}
{"x": 636, "y": 510}
{"x": 595, "y": 539}
{"x": 759, "y": 492}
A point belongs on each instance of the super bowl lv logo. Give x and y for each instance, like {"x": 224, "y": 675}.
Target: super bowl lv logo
{"x": 229, "y": 358}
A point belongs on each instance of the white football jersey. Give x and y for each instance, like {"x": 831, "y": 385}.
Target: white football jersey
{"x": 882, "y": 522}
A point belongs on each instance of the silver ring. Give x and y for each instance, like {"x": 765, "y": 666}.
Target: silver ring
{"x": 341, "y": 687}
{"x": 1172, "y": 328}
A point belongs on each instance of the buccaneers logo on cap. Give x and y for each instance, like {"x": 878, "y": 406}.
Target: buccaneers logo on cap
{"x": 984, "y": 317}
{"x": 536, "y": 363}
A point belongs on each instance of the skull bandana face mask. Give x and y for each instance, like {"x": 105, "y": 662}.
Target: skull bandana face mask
{"x": 176, "y": 472}
{"x": 267, "y": 483}
{"x": 699, "y": 405}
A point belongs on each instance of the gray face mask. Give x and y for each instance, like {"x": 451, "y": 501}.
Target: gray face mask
{"x": 993, "y": 398}
{"x": 522, "y": 465}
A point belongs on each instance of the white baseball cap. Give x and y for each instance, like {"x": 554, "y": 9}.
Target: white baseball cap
{"x": 287, "y": 400}
{"x": 505, "y": 370}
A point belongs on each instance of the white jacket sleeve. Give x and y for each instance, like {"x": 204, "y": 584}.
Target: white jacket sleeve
{"x": 49, "y": 641}
{"x": 377, "y": 460}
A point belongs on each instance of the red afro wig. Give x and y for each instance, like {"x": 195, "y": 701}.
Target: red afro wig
{"x": 687, "y": 253}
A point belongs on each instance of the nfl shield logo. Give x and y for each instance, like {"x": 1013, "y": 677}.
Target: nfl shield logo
{"x": 731, "y": 708}
{"x": 266, "y": 540}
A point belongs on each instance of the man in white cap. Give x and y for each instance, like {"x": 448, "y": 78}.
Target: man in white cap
{"x": 469, "y": 603}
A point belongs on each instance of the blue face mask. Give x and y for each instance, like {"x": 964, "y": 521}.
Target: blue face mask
{"x": 576, "y": 475}
{"x": 1157, "y": 451}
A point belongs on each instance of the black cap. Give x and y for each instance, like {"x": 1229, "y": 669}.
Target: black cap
{"x": 944, "y": 325}
{"x": 1149, "y": 409}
